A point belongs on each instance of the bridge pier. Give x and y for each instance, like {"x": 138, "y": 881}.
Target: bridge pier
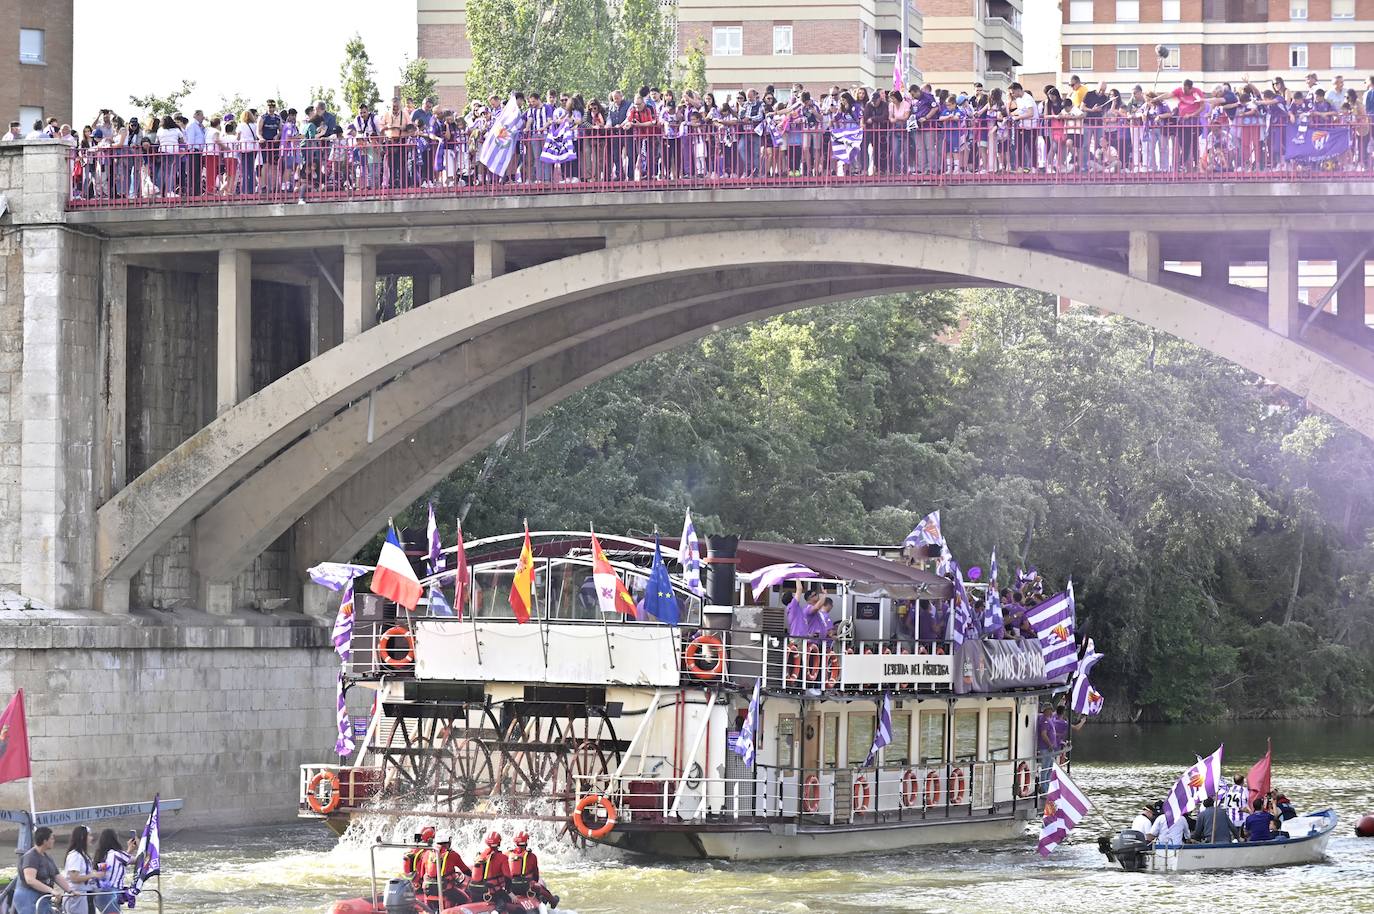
{"x": 1284, "y": 318}
{"x": 359, "y": 290}
{"x": 234, "y": 329}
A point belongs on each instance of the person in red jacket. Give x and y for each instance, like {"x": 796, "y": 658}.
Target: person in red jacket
{"x": 413, "y": 863}
{"x": 522, "y": 865}
{"x": 444, "y": 875}
{"x": 489, "y": 873}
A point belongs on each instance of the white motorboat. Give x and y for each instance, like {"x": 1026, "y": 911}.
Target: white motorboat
{"x": 1306, "y": 843}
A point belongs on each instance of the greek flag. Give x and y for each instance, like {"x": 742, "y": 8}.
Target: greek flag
{"x": 689, "y": 553}
{"x": 882, "y": 735}
{"x": 743, "y": 745}
{"x": 344, "y": 745}
{"x": 992, "y": 608}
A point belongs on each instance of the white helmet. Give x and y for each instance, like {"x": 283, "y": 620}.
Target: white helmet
{"x": 443, "y": 838}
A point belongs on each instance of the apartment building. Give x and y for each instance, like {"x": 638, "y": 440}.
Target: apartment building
{"x": 1211, "y": 41}
{"x": 969, "y": 41}
{"x": 442, "y": 39}
{"x": 35, "y": 61}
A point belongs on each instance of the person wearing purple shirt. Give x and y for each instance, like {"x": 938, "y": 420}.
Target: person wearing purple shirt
{"x": 1047, "y": 743}
{"x": 921, "y": 127}
{"x": 809, "y": 619}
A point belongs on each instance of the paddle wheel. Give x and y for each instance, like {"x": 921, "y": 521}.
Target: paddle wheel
{"x": 437, "y": 755}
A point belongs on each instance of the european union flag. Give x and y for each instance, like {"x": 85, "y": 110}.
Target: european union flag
{"x": 659, "y": 599}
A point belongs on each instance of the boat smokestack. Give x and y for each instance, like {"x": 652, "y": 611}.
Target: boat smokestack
{"x": 720, "y": 569}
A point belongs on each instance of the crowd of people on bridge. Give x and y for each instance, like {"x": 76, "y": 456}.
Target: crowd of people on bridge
{"x": 658, "y": 135}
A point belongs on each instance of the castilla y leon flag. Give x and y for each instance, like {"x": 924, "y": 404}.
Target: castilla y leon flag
{"x": 522, "y": 587}
{"x": 14, "y": 741}
{"x": 611, "y": 593}
{"x": 394, "y": 578}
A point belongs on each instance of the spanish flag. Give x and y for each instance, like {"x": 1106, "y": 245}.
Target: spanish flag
{"x": 522, "y": 588}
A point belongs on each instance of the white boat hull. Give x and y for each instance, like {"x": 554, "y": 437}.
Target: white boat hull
{"x": 1307, "y": 844}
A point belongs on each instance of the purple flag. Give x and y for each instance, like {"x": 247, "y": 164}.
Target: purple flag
{"x": 992, "y": 622}
{"x": 961, "y": 619}
{"x": 436, "y": 549}
{"x": 772, "y": 575}
{"x": 1086, "y": 699}
{"x": 344, "y": 745}
{"x": 342, "y": 635}
{"x": 1053, "y": 622}
{"x": 1065, "y": 807}
{"x": 336, "y": 575}
{"x": 743, "y": 744}
{"x": 1200, "y": 781}
{"x": 882, "y": 735}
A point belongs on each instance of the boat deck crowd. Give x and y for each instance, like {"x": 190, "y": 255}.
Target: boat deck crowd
{"x": 653, "y": 135}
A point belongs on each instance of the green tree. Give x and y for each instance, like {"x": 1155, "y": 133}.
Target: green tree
{"x": 356, "y": 76}
{"x": 691, "y": 71}
{"x": 523, "y": 44}
{"x": 641, "y": 44}
{"x": 416, "y": 83}
{"x": 163, "y": 105}
{"x": 321, "y": 94}
{"x": 235, "y": 104}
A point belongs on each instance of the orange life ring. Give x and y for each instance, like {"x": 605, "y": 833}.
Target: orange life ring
{"x": 958, "y": 787}
{"x": 911, "y": 788}
{"x": 407, "y": 642}
{"x": 811, "y": 794}
{"x": 580, "y": 822}
{"x": 832, "y": 679}
{"x": 935, "y": 788}
{"x": 1025, "y": 786}
{"x": 694, "y": 664}
{"x": 862, "y": 794}
{"x": 312, "y": 796}
{"x": 792, "y": 660}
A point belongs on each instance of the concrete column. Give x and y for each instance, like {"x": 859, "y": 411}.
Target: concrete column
{"x": 1216, "y": 267}
{"x": 111, "y": 422}
{"x": 1350, "y": 296}
{"x": 488, "y": 260}
{"x": 436, "y": 286}
{"x": 234, "y": 336}
{"x": 360, "y": 290}
{"x": 219, "y": 597}
{"x": 1283, "y": 283}
{"x": 1143, "y": 256}
{"x": 326, "y": 317}
{"x": 421, "y": 292}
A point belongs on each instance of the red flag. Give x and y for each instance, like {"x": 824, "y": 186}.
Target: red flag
{"x": 1258, "y": 778}
{"x": 460, "y": 565}
{"x": 14, "y": 742}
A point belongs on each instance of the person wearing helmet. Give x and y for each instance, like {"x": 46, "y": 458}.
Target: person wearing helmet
{"x": 489, "y": 873}
{"x": 413, "y": 863}
{"x": 522, "y": 865}
{"x": 445, "y": 874}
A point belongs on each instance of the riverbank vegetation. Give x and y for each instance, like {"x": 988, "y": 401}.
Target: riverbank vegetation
{"x": 1217, "y": 531}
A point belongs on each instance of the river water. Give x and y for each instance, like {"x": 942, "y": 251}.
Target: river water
{"x": 297, "y": 869}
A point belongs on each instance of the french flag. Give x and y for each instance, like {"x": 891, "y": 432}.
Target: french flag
{"x": 394, "y": 578}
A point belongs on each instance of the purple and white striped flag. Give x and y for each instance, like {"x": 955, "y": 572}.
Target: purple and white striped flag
{"x": 1086, "y": 699}
{"x": 961, "y": 625}
{"x": 342, "y": 636}
{"x": 436, "y": 548}
{"x": 344, "y": 745}
{"x": 927, "y": 532}
{"x": 772, "y": 575}
{"x": 992, "y": 622}
{"x": 336, "y": 575}
{"x": 1200, "y": 781}
{"x": 689, "y": 554}
{"x": 1065, "y": 807}
{"x": 882, "y": 734}
{"x": 1053, "y": 623}
{"x": 743, "y": 744}
{"x": 503, "y": 139}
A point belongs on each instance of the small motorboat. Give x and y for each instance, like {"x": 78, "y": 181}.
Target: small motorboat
{"x": 1306, "y": 841}
{"x": 400, "y": 898}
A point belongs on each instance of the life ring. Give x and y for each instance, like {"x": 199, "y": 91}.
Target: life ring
{"x": 792, "y": 660}
{"x": 813, "y": 662}
{"x": 1025, "y": 785}
{"x": 694, "y": 660}
{"x": 407, "y": 641}
{"x": 580, "y": 821}
{"x": 832, "y": 678}
{"x": 958, "y": 787}
{"x": 862, "y": 794}
{"x": 811, "y": 794}
{"x": 911, "y": 788}
{"x": 312, "y": 793}
{"x": 935, "y": 788}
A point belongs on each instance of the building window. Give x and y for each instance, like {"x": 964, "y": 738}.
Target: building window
{"x": 1297, "y": 57}
{"x": 1342, "y": 57}
{"x": 28, "y": 114}
{"x": 782, "y": 39}
{"x": 1127, "y": 10}
{"x": 1343, "y": 9}
{"x": 727, "y": 40}
{"x": 1174, "y": 61}
{"x": 1128, "y": 58}
{"x": 1080, "y": 58}
{"x": 1297, "y": 9}
{"x": 1171, "y": 11}
{"x": 31, "y": 46}
{"x": 1080, "y": 10}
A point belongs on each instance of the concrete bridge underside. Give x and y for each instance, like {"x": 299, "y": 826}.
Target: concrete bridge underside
{"x": 313, "y": 437}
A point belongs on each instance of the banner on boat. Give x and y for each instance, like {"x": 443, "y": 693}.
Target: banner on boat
{"x": 930, "y": 670}
{"x": 990, "y": 666}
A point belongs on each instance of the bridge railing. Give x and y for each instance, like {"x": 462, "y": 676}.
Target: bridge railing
{"x": 1045, "y": 150}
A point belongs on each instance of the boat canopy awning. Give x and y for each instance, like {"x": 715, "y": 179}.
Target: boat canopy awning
{"x": 867, "y": 572}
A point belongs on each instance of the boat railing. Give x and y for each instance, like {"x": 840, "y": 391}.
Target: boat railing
{"x": 44, "y": 905}
{"x": 325, "y": 789}
{"x": 824, "y": 796}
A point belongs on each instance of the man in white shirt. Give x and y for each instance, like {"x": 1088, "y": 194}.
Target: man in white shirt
{"x": 12, "y": 134}
{"x": 1144, "y": 820}
{"x": 38, "y": 132}
{"x": 1172, "y": 835}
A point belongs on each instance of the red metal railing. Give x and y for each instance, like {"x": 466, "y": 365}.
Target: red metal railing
{"x": 1047, "y": 151}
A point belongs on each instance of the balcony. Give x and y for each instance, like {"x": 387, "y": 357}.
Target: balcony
{"x": 889, "y": 17}
{"x": 1002, "y": 36}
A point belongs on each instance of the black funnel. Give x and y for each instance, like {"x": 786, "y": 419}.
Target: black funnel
{"x": 720, "y": 569}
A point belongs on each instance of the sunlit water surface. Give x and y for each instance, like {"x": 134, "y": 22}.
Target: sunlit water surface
{"x": 300, "y": 868}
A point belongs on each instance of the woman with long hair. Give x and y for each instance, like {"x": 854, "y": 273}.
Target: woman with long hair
{"x": 81, "y": 873}
{"x": 111, "y": 859}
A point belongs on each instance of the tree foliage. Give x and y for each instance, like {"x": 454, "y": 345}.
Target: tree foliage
{"x": 322, "y": 94}
{"x": 163, "y": 105}
{"x": 526, "y": 44}
{"x": 692, "y": 71}
{"x": 355, "y": 74}
{"x": 1218, "y": 533}
{"x": 416, "y": 83}
{"x": 642, "y": 39}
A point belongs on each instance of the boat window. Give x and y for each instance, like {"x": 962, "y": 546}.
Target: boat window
{"x": 491, "y": 591}
{"x": 898, "y": 752}
{"x": 932, "y": 747}
{"x": 999, "y": 735}
{"x": 574, "y": 592}
{"x": 965, "y": 735}
{"x": 787, "y": 741}
{"x": 860, "y": 737}
{"x": 830, "y": 742}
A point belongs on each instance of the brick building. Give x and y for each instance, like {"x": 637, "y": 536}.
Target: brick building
{"x": 35, "y": 61}
{"x": 1210, "y": 41}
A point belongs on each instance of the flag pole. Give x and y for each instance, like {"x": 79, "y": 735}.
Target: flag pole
{"x": 33, "y": 806}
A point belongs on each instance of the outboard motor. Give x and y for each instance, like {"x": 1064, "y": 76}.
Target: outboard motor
{"x": 399, "y": 897}
{"x": 1129, "y": 848}
{"x": 720, "y": 569}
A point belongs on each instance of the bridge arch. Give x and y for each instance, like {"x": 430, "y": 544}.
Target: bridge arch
{"x": 243, "y": 441}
